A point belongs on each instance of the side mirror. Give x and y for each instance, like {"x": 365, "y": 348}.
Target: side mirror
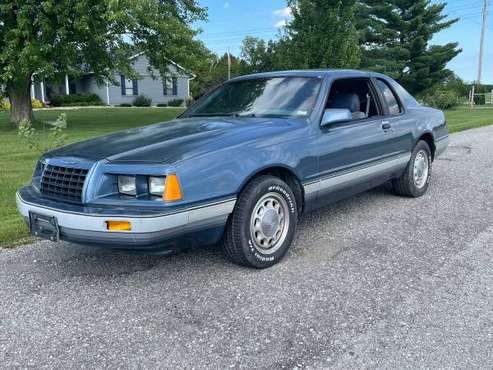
{"x": 335, "y": 115}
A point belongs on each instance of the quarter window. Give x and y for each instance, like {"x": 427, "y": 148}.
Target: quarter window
{"x": 393, "y": 103}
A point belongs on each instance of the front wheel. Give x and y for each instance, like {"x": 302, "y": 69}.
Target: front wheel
{"x": 262, "y": 226}
{"x": 415, "y": 180}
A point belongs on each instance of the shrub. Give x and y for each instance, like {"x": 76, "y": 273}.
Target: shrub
{"x": 175, "y": 103}
{"x": 479, "y": 100}
{"x": 4, "y": 104}
{"x": 125, "y": 105}
{"x": 142, "y": 101}
{"x": 37, "y": 103}
{"x": 189, "y": 101}
{"x": 75, "y": 100}
{"x": 161, "y": 105}
{"x": 442, "y": 99}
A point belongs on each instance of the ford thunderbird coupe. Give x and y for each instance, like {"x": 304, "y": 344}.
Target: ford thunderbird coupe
{"x": 240, "y": 166}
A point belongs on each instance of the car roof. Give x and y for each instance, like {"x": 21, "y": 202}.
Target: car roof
{"x": 311, "y": 73}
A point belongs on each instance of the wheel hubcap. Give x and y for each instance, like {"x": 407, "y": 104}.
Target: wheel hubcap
{"x": 269, "y": 223}
{"x": 421, "y": 169}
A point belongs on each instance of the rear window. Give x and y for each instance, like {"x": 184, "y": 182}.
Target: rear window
{"x": 392, "y": 101}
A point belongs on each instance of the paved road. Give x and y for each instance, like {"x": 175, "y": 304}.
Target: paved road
{"x": 373, "y": 281}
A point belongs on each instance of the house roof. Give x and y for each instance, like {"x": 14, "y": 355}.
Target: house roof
{"x": 169, "y": 60}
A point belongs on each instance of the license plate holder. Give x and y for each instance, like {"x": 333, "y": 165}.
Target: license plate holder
{"x": 45, "y": 227}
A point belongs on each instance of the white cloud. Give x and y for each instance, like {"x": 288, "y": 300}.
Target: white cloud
{"x": 281, "y": 23}
{"x": 284, "y": 12}
{"x": 226, "y": 5}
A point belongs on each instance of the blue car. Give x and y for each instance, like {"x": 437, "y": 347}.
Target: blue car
{"x": 240, "y": 166}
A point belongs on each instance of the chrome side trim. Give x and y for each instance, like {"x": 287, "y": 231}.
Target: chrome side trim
{"x": 339, "y": 180}
{"x": 139, "y": 225}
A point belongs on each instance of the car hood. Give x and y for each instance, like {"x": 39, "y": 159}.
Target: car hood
{"x": 177, "y": 140}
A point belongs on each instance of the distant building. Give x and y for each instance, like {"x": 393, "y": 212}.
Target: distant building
{"x": 161, "y": 89}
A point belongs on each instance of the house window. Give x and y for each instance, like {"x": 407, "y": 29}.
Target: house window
{"x": 170, "y": 86}
{"x": 129, "y": 87}
{"x": 72, "y": 88}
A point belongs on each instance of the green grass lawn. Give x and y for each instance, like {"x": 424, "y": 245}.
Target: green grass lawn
{"x": 464, "y": 118}
{"x": 18, "y": 161}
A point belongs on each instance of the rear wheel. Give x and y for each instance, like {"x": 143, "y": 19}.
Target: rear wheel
{"x": 415, "y": 180}
{"x": 262, "y": 226}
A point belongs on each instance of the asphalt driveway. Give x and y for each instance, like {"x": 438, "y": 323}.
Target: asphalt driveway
{"x": 373, "y": 281}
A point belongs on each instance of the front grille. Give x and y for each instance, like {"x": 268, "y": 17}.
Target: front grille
{"x": 63, "y": 182}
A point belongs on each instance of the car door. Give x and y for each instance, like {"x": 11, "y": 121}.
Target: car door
{"x": 397, "y": 124}
{"x": 352, "y": 155}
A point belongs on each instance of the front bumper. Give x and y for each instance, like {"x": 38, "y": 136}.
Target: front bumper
{"x": 87, "y": 225}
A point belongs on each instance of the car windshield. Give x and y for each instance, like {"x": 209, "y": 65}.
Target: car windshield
{"x": 277, "y": 96}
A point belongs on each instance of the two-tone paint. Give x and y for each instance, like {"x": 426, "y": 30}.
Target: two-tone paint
{"x": 215, "y": 157}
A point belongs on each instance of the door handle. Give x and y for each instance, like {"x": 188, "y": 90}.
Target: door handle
{"x": 386, "y": 125}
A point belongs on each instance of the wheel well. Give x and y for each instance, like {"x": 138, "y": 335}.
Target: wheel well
{"x": 289, "y": 178}
{"x": 431, "y": 142}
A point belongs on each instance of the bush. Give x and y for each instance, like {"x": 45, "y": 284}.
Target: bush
{"x": 442, "y": 99}
{"x": 161, "y": 105}
{"x": 75, "y": 100}
{"x": 189, "y": 102}
{"x": 37, "y": 103}
{"x": 125, "y": 105}
{"x": 175, "y": 103}
{"x": 142, "y": 101}
{"x": 4, "y": 104}
{"x": 479, "y": 100}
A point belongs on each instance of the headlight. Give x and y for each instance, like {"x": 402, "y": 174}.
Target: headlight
{"x": 156, "y": 185}
{"x": 126, "y": 185}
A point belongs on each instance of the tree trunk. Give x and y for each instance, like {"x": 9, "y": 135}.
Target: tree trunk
{"x": 19, "y": 92}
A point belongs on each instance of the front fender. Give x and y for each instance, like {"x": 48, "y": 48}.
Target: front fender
{"x": 223, "y": 173}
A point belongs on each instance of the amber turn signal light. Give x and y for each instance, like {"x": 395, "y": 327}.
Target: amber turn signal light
{"x": 118, "y": 226}
{"x": 172, "y": 189}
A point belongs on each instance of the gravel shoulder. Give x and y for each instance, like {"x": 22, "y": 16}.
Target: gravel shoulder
{"x": 372, "y": 281}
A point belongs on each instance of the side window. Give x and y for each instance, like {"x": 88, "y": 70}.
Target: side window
{"x": 354, "y": 94}
{"x": 394, "y": 107}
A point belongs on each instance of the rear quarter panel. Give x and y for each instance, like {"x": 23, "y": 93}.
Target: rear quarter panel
{"x": 431, "y": 121}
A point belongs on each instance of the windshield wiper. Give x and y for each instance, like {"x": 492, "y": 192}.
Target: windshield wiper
{"x": 245, "y": 115}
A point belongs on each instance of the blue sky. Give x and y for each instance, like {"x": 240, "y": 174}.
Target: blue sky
{"x": 231, "y": 20}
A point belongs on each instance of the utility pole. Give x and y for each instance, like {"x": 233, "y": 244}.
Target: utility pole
{"x": 481, "y": 45}
{"x": 481, "y": 48}
{"x": 229, "y": 65}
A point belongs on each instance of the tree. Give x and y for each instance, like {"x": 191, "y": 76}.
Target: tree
{"x": 456, "y": 84}
{"x": 55, "y": 37}
{"x": 396, "y": 37}
{"x": 258, "y": 54}
{"x": 322, "y": 34}
{"x": 213, "y": 71}
{"x": 266, "y": 56}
